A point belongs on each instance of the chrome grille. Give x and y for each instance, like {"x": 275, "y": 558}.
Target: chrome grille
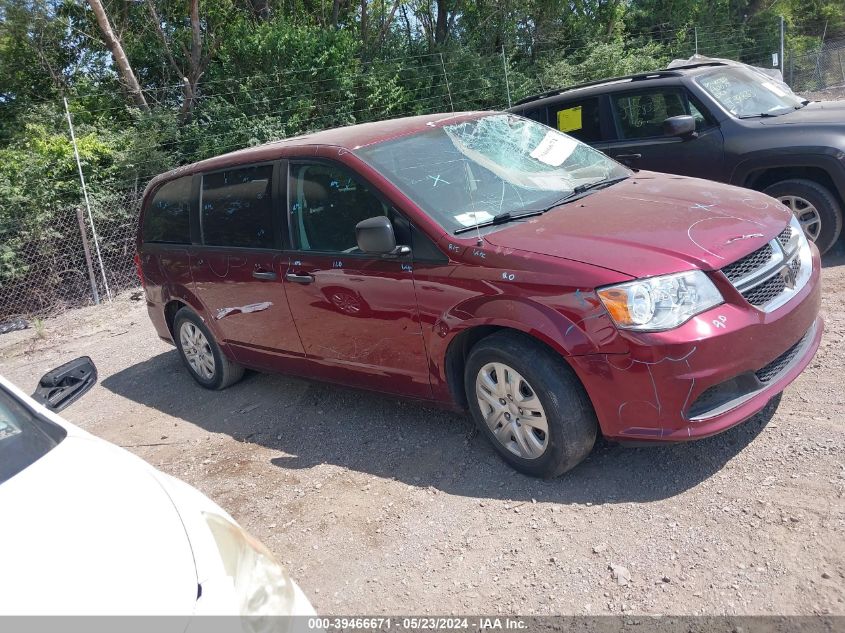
{"x": 770, "y": 276}
{"x": 748, "y": 264}
{"x": 766, "y": 291}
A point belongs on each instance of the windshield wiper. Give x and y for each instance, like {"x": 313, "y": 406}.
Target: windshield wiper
{"x": 510, "y": 216}
{"x": 763, "y": 115}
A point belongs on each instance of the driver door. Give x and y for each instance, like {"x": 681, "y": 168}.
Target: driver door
{"x": 356, "y": 313}
{"x": 641, "y": 143}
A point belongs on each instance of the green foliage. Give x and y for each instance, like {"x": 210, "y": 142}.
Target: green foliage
{"x": 266, "y": 69}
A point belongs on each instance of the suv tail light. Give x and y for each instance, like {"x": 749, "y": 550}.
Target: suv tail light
{"x": 139, "y": 270}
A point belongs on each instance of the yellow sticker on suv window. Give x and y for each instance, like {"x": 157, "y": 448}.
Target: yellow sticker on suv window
{"x": 569, "y": 120}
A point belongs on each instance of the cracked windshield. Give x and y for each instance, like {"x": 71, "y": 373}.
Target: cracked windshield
{"x": 470, "y": 172}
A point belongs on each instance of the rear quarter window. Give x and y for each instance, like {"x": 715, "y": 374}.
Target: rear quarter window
{"x": 167, "y": 217}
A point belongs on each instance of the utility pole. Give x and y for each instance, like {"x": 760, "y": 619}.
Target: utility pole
{"x": 782, "y": 61}
{"x": 87, "y": 201}
{"x": 696, "y": 40}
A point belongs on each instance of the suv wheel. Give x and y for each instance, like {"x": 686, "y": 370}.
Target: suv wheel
{"x": 201, "y": 354}
{"x": 816, "y": 208}
{"x": 528, "y": 402}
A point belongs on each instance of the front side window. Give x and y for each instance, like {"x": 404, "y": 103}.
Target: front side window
{"x": 24, "y": 438}
{"x": 468, "y": 172}
{"x": 166, "y": 219}
{"x": 746, "y": 93}
{"x": 641, "y": 114}
{"x": 326, "y": 203}
{"x": 236, "y": 207}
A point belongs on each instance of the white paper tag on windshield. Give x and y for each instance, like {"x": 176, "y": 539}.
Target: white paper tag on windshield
{"x": 473, "y": 217}
{"x": 554, "y": 149}
{"x": 775, "y": 88}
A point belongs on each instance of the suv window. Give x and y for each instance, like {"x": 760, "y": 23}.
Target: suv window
{"x": 166, "y": 218}
{"x": 326, "y": 202}
{"x": 579, "y": 119}
{"x": 641, "y": 114}
{"x": 237, "y": 207}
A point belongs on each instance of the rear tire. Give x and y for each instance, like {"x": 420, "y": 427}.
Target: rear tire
{"x": 201, "y": 354}
{"x": 538, "y": 416}
{"x": 815, "y": 206}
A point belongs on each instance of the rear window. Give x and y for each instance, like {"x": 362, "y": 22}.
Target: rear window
{"x": 166, "y": 219}
{"x": 24, "y": 437}
{"x": 237, "y": 207}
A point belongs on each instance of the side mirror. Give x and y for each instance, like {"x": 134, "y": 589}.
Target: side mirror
{"x": 375, "y": 235}
{"x": 64, "y": 385}
{"x": 683, "y": 126}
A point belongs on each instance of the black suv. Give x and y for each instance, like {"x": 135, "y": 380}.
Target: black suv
{"x": 718, "y": 121}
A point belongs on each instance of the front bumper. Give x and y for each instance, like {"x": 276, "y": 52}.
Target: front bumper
{"x": 702, "y": 378}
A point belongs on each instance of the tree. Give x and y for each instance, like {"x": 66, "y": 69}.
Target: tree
{"x": 120, "y": 59}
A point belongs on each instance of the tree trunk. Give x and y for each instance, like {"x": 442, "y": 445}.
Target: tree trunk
{"x": 335, "y": 13}
{"x": 364, "y": 25}
{"x": 441, "y": 27}
{"x": 120, "y": 59}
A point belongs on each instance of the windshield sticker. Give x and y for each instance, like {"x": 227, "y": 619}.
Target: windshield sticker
{"x": 569, "y": 120}
{"x": 473, "y": 217}
{"x": 778, "y": 91}
{"x": 554, "y": 149}
{"x": 7, "y": 430}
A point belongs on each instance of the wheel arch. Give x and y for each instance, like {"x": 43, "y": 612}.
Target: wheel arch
{"x": 460, "y": 346}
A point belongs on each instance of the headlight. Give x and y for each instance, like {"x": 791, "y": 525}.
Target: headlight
{"x": 660, "y": 303}
{"x": 262, "y": 586}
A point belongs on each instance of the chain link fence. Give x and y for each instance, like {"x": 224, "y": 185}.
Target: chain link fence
{"x": 818, "y": 71}
{"x": 46, "y": 268}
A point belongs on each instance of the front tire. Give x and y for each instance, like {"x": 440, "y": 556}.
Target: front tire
{"x": 816, "y": 208}
{"x": 201, "y": 354}
{"x": 529, "y": 404}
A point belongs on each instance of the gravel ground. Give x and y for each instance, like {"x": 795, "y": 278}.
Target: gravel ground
{"x": 382, "y": 506}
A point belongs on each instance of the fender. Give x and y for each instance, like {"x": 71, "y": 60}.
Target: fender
{"x": 828, "y": 159}
{"x": 568, "y": 332}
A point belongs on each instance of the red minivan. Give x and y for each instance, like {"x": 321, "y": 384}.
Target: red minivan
{"x": 485, "y": 261}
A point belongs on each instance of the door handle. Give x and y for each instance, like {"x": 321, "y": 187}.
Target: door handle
{"x": 628, "y": 156}
{"x": 300, "y": 279}
{"x": 264, "y": 275}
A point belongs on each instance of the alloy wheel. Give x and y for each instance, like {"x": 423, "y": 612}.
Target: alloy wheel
{"x": 197, "y": 350}
{"x": 807, "y": 214}
{"x": 512, "y": 410}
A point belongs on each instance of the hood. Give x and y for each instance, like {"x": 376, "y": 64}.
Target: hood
{"x": 652, "y": 224}
{"x": 819, "y": 112}
{"x": 89, "y": 530}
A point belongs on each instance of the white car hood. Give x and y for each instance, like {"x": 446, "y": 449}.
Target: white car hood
{"x": 87, "y": 529}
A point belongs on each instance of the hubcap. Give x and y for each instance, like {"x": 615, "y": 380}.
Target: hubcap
{"x": 197, "y": 350}
{"x": 808, "y": 216}
{"x": 512, "y": 410}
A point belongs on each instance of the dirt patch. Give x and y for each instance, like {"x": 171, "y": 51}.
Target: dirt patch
{"x": 382, "y": 506}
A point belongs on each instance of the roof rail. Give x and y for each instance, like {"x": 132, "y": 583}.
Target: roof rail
{"x": 656, "y": 74}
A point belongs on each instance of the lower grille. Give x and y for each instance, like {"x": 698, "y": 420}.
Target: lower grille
{"x": 773, "y": 369}
{"x": 731, "y": 393}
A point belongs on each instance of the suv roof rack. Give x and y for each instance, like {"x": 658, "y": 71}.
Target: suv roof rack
{"x": 655, "y": 74}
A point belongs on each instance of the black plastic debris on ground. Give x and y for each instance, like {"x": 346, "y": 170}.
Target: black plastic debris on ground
{"x": 11, "y": 326}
